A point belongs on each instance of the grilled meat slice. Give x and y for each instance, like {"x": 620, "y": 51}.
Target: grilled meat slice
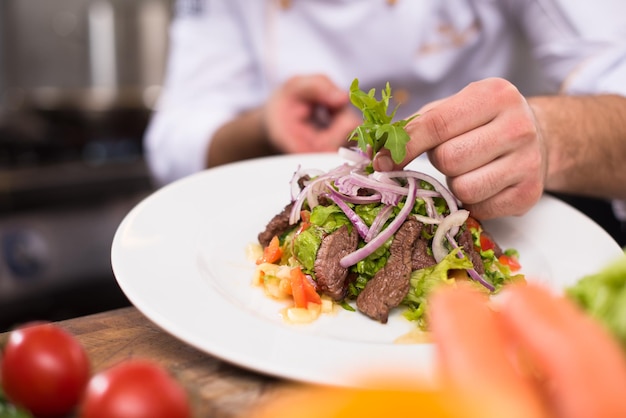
{"x": 466, "y": 241}
{"x": 421, "y": 258}
{"x": 390, "y": 284}
{"x": 278, "y": 225}
{"x": 331, "y": 277}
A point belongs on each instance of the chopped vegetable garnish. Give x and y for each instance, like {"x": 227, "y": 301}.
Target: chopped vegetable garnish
{"x": 302, "y": 290}
{"x": 272, "y": 253}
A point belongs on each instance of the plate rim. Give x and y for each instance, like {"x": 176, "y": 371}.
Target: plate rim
{"x": 283, "y": 369}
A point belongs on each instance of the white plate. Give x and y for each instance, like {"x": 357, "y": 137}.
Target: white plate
{"x": 180, "y": 258}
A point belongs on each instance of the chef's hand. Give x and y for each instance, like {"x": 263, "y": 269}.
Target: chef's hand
{"x": 536, "y": 353}
{"x": 485, "y": 140}
{"x": 309, "y": 114}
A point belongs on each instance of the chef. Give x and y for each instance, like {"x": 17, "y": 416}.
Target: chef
{"x": 515, "y": 96}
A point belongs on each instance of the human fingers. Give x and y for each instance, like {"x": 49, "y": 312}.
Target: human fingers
{"x": 287, "y": 117}
{"x": 448, "y": 118}
{"x": 335, "y": 134}
{"x": 495, "y": 158}
{"x": 306, "y": 135}
{"x": 318, "y": 89}
{"x": 497, "y": 169}
{"x": 584, "y": 367}
{"x": 495, "y": 189}
{"x": 286, "y": 122}
{"x": 474, "y": 353}
{"x": 329, "y": 117}
{"x": 292, "y": 114}
{"x": 512, "y": 129}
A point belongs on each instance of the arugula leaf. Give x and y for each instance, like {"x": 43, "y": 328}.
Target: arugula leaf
{"x": 378, "y": 130}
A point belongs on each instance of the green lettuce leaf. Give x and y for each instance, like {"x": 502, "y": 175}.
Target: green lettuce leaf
{"x": 603, "y": 296}
{"x": 305, "y": 246}
{"x": 329, "y": 218}
{"x": 324, "y": 220}
{"x": 423, "y": 283}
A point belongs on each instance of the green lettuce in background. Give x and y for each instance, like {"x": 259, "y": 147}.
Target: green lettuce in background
{"x": 603, "y": 296}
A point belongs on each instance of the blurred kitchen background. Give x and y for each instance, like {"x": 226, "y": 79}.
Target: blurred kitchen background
{"x": 78, "y": 79}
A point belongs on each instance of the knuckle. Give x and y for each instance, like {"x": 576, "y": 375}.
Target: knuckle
{"x": 293, "y": 81}
{"x": 528, "y": 193}
{"x": 522, "y": 128}
{"x": 503, "y": 87}
{"x": 502, "y": 91}
{"x": 298, "y": 83}
{"x": 444, "y": 157}
{"x": 437, "y": 127}
{"x": 463, "y": 190}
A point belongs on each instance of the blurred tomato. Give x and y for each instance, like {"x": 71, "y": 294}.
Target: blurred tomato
{"x": 135, "y": 389}
{"x": 44, "y": 369}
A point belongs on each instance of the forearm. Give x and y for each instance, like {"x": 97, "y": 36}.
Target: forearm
{"x": 242, "y": 138}
{"x": 585, "y": 138}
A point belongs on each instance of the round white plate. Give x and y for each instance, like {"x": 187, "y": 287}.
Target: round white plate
{"x": 180, "y": 257}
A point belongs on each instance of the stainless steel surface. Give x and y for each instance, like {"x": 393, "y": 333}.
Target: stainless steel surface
{"x": 93, "y": 54}
{"x": 78, "y": 80}
{"x": 59, "y": 248}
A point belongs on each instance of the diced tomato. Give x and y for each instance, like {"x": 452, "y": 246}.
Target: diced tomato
{"x": 486, "y": 243}
{"x": 305, "y": 215}
{"x": 512, "y": 262}
{"x": 302, "y": 290}
{"x": 472, "y": 223}
{"x": 311, "y": 294}
{"x": 272, "y": 253}
{"x": 305, "y": 223}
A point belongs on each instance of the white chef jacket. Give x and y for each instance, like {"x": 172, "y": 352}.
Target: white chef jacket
{"x": 226, "y": 56}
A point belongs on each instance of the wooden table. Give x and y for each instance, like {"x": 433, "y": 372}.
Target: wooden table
{"x": 216, "y": 388}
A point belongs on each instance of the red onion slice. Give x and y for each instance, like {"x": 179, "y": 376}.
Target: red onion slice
{"x": 354, "y": 154}
{"x": 379, "y": 222}
{"x": 455, "y": 219}
{"x": 356, "y": 220}
{"x": 445, "y": 193}
{"x": 377, "y": 241}
{"x": 391, "y": 194}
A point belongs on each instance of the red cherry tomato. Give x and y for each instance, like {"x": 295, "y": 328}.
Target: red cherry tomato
{"x": 44, "y": 369}
{"x": 135, "y": 389}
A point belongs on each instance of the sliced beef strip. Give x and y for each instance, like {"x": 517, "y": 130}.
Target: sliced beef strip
{"x": 278, "y": 225}
{"x": 465, "y": 240}
{"x": 421, "y": 258}
{"x": 330, "y": 276}
{"x": 389, "y": 286}
{"x": 302, "y": 180}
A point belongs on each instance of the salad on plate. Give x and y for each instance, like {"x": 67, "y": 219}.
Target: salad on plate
{"x": 370, "y": 241}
